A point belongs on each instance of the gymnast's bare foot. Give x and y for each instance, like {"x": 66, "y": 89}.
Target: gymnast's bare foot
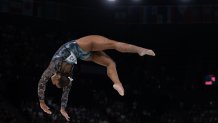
{"x": 146, "y": 52}
{"x": 119, "y": 88}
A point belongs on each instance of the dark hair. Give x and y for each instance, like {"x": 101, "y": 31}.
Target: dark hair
{"x": 63, "y": 81}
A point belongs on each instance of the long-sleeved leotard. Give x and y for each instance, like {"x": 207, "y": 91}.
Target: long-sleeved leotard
{"x": 68, "y": 52}
{"x": 44, "y": 79}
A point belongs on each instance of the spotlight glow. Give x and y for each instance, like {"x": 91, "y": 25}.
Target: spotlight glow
{"x": 136, "y": 0}
{"x": 111, "y": 0}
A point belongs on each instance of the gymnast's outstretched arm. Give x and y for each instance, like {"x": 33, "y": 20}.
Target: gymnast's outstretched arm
{"x": 42, "y": 87}
{"x": 64, "y": 100}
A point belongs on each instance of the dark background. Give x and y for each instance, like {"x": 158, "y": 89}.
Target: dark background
{"x": 167, "y": 88}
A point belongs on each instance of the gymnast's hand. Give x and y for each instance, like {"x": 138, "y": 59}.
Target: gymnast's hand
{"x": 44, "y": 107}
{"x": 64, "y": 113}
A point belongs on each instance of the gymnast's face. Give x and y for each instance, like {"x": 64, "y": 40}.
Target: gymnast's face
{"x": 56, "y": 79}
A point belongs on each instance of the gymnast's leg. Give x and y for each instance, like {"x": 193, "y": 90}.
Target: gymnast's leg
{"x": 103, "y": 59}
{"x": 100, "y": 43}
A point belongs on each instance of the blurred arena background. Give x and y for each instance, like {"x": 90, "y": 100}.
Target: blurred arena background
{"x": 177, "y": 86}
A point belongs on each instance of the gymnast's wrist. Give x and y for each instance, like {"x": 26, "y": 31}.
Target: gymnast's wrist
{"x": 42, "y": 101}
{"x": 62, "y": 109}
